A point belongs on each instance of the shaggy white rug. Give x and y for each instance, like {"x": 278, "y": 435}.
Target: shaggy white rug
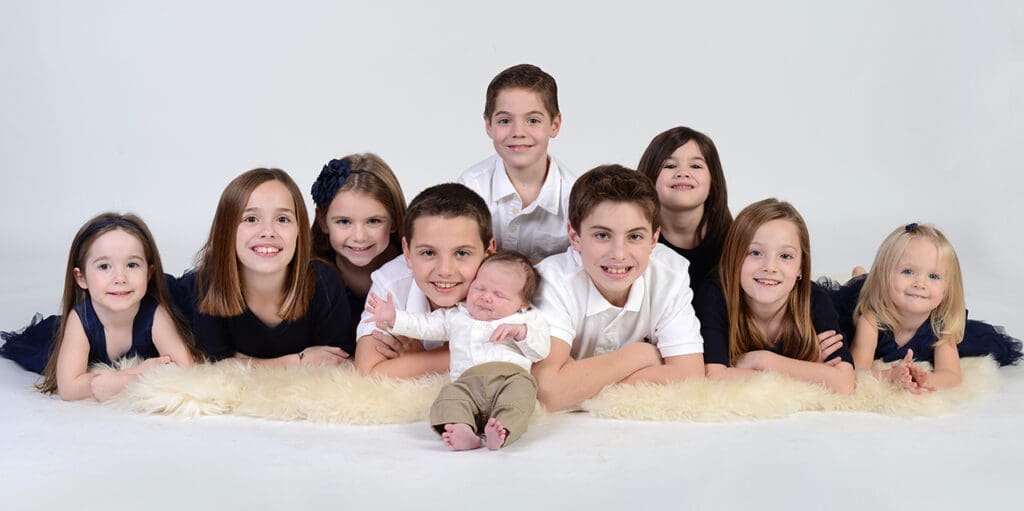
{"x": 341, "y": 395}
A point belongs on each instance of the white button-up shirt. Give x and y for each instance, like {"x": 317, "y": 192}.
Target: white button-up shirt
{"x": 469, "y": 339}
{"x": 396, "y": 278}
{"x": 658, "y": 309}
{"x": 538, "y": 230}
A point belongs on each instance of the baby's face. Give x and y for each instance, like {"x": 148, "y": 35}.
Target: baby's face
{"x": 496, "y": 292}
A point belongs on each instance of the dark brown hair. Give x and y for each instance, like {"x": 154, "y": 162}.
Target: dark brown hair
{"x": 523, "y": 76}
{"x": 512, "y": 258}
{"x": 450, "y": 200}
{"x": 612, "y": 183}
{"x": 218, "y": 279}
{"x": 156, "y": 286}
{"x": 717, "y": 218}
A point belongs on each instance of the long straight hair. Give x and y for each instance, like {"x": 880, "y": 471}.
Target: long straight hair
{"x": 156, "y": 285}
{"x": 715, "y": 222}
{"x": 218, "y": 276}
{"x": 797, "y": 338}
{"x": 949, "y": 319}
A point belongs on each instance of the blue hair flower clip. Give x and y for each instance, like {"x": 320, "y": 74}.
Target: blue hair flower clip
{"x": 331, "y": 178}
{"x": 910, "y": 227}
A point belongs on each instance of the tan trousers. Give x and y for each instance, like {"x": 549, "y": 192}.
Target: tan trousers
{"x": 501, "y": 390}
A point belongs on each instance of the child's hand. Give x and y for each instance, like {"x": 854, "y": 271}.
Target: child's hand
{"x": 909, "y": 375}
{"x": 830, "y": 342}
{"x": 504, "y": 331}
{"x": 754, "y": 360}
{"x": 317, "y": 356}
{"x": 382, "y": 311}
{"x": 106, "y": 384}
{"x": 394, "y": 346}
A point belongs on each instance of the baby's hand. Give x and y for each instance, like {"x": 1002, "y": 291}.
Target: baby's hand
{"x": 382, "y": 311}
{"x": 504, "y": 331}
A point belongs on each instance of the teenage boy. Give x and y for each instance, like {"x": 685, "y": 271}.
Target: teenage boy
{"x": 526, "y": 189}
{"x": 618, "y": 303}
{"x": 447, "y": 236}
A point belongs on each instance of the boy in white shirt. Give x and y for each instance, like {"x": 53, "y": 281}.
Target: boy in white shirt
{"x": 617, "y": 302}
{"x": 526, "y": 189}
{"x": 494, "y": 339}
{"x": 447, "y": 236}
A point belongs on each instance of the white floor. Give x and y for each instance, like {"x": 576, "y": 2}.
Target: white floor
{"x": 58, "y": 455}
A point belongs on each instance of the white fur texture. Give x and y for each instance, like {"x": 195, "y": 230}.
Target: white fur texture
{"x": 341, "y": 395}
{"x": 771, "y": 395}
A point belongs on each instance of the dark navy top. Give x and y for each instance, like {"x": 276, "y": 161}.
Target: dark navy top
{"x": 980, "y": 338}
{"x": 142, "y": 331}
{"x": 327, "y": 322}
{"x": 712, "y": 312}
{"x": 703, "y": 260}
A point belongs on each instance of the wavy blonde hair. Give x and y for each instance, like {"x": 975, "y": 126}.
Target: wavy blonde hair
{"x": 949, "y": 318}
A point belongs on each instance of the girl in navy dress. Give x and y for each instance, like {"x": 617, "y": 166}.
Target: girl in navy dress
{"x": 911, "y": 307}
{"x": 764, "y": 313}
{"x": 683, "y": 164}
{"x": 116, "y": 304}
{"x": 360, "y": 210}
{"x": 257, "y": 293}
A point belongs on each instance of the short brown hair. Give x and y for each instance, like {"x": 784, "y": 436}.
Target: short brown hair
{"x": 717, "y": 218}
{"x": 373, "y": 177}
{"x": 513, "y": 258}
{"x": 218, "y": 280}
{"x": 612, "y": 183}
{"x": 523, "y": 76}
{"x": 450, "y": 200}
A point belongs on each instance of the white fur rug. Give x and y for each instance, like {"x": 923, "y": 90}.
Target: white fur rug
{"x": 340, "y": 395}
{"x": 771, "y": 395}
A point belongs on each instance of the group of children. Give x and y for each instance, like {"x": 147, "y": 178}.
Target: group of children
{"x": 523, "y": 281}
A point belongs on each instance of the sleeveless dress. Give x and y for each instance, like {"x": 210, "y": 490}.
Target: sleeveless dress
{"x": 31, "y": 347}
{"x": 980, "y": 338}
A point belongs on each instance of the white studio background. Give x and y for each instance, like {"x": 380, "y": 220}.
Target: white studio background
{"x": 865, "y": 115}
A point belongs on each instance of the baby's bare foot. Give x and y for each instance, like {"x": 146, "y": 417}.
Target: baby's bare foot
{"x": 495, "y": 433}
{"x": 460, "y": 437}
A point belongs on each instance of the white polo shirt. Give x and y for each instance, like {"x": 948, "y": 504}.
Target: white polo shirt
{"x": 469, "y": 339}
{"x": 658, "y": 309}
{"x": 395, "y": 277}
{"x": 538, "y": 230}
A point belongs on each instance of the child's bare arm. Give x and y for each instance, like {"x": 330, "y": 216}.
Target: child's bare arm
{"x": 167, "y": 340}
{"x": 563, "y": 382}
{"x": 74, "y": 382}
{"x": 677, "y": 368}
{"x": 838, "y": 377}
{"x": 865, "y": 341}
{"x": 947, "y": 366}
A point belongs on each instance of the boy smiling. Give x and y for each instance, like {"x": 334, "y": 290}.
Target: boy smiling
{"x": 618, "y": 303}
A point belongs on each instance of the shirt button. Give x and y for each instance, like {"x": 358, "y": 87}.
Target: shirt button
{"x": 513, "y": 228}
{"x": 515, "y": 210}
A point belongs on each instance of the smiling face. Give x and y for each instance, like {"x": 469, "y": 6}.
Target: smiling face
{"x": 771, "y": 266}
{"x": 444, "y": 255}
{"x": 359, "y": 227}
{"x": 267, "y": 232}
{"x": 520, "y": 128}
{"x": 684, "y": 181}
{"x": 919, "y": 282}
{"x": 615, "y": 242}
{"x": 115, "y": 271}
{"x": 496, "y": 292}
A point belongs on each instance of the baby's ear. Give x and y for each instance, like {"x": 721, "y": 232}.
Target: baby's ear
{"x": 80, "y": 278}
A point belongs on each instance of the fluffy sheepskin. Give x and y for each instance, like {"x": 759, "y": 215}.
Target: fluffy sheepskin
{"x": 341, "y": 395}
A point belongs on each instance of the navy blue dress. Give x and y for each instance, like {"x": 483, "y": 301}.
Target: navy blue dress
{"x": 327, "y": 322}
{"x": 980, "y": 338}
{"x": 31, "y": 347}
{"x": 703, "y": 261}
{"x": 712, "y": 311}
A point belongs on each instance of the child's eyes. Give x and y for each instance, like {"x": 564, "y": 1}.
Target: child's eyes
{"x": 284, "y": 219}
{"x": 696, "y": 166}
{"x": 462, "y": 253}
{"x": 601, "y": 235}
{"x": 906, "y": 271}
{"x": 669, "y": 166}
{"x": 787, "y": 257}
{"x": 427, "y": 253}
{"x": 534, "y": 121}
{"x": 934, "y": 276}
{"x": 376, "y": 221}
{"x": 103, "y": 266}
{"x": 503, "y": 121}
{"x": 342, "y": 221}
{"x": 636, "y": 237}
{"x": 754, "y": 252}
{"x": 251, "y": 219}
{"x": 133, "y": 265}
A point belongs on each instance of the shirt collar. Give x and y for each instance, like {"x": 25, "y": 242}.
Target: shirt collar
{"x": 550, "y": 192}
{"x": 596, "y": 302}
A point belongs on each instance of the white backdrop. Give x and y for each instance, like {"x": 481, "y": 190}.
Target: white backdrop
{"x": 865, "y": 115}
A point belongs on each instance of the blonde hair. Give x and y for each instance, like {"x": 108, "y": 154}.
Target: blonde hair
{"x": 949, "y": 318}
{"x": 156, "y": 284}
{"x": 797, "y": 338}
{"x": 218, "y": 279}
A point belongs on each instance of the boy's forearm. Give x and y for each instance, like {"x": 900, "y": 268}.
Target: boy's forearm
{"x": 678, "y": 368}
{"x": 578, "y": 380}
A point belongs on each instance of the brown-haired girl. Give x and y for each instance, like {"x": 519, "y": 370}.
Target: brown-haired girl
{"x": 116, "y": 304}
{"x": 764, "y": 313}
{"x": 257, "y": 294}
